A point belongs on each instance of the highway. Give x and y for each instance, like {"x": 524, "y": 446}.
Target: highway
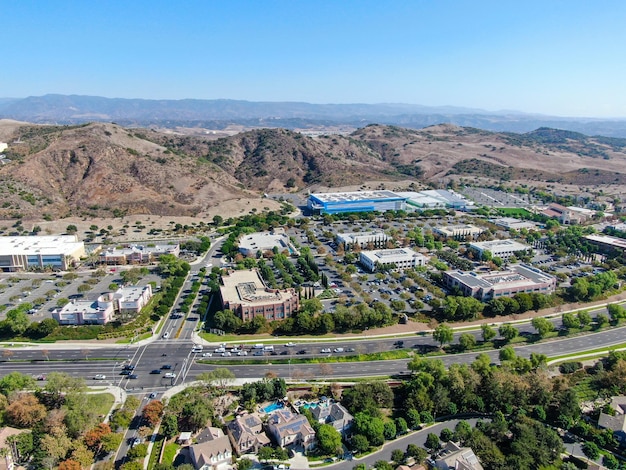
{"x": 178, "y": 354}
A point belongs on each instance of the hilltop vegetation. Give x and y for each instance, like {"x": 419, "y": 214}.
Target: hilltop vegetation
{"x": 100, "y": 170}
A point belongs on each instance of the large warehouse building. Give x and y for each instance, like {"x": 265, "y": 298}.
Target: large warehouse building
{"x": 516, "y": 279}
{"x": 245, "y": 293}
{"x": 55, "y": 251}
{"x": 357, "y": 201}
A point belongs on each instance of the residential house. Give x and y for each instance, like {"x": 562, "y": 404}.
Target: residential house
{"x": 290, "y": 429}
{"x": 616, "y": 422}
{"x": 7, "y": 461}
{"x": 335, "y": 415}
{"x": 455, "y": 457}
{"x": 246, "y": 434}
{"x": 212, "y": 451}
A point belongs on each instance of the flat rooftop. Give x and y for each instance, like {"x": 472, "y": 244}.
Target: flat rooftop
{"x": 608, "y": 240}
{"x": 247, "y": 287}
{"x": 510, "y": 245}
{"x": 43, "y": 245}
{"x": 357, "y": 196}
{"x": 515, "y": 276}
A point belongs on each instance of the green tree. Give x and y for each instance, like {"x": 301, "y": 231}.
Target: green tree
{"x": 507, "y": 354}
{"x": 570, "y": 321}
{"x": 245, "y": 464}
{"x": 398, "y": 457}
{"x": 508, "y": 332}
{"x": 432, "y": 442}
{"x": 542, "y": 325}
{"x": 467, "y": 341}
{"x": 401, "y": 425}
{"x": 220, "y": 377}
{"x": 329, "y": 439}
{"x": 359, "y": 443}
{"x": 488, "y": 333}
{"x": 591, "y": 450}
{"x": 389, "y": 430}
{"x": 443, "y": 334}
{"x": 418, "y": 453}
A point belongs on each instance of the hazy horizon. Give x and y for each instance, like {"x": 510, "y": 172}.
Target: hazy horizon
{"x": 557, "y": 58}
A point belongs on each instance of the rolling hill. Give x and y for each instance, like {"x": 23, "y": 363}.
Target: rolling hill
{"x": 104, "y": 169}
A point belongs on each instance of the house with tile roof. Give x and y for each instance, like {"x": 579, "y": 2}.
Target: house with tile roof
{"x": 212, "y": 451}
{"x": 291, "y": 429}
{"x": 246, "y": 434}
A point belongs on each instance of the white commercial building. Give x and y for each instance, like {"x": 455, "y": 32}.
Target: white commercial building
{"x": 399, "y": 258}
{"x": 37, "y": 252}
{"x": 250, "y": 245}
{"x": 512, "y": 223}
{"x": 363, "y": 239}
{"x": 517, "y": 279}
{"x": 436, "y": 199}
{"x": 100, "y": 312}
{"x": 503, "y": 249}
{"x": 458, "y": 231}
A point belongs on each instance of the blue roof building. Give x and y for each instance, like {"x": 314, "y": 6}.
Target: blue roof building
{"x": 356, "y": 201}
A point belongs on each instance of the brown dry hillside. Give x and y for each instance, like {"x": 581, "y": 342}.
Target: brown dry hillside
{"x": 104, "y": 169}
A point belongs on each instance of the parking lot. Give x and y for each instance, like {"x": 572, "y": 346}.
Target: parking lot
{"x": 43, "y": 291}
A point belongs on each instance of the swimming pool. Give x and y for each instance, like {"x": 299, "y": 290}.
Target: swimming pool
{"x": 309, "y": 405}
{"x": 272, "y": 407}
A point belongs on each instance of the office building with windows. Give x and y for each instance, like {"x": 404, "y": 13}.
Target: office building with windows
{"x": 516, "y": 279}
{"x": 396, "y": 258}
{"x": 245, "y": 293}
{"x": 58, "y": 252}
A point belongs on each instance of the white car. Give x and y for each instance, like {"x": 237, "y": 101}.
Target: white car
{"x": 100, "y": 377}
{"x": 219, "y": 350}
{"x": 170, "y": 375}
{"x": 207, "y": 355}
{"x": 290, "y": 344}
{"x": 166, "y": 335}
{"x": 325, "y": 350}
{"x": 242, "y": 353}
{"x": 226, "y": 354}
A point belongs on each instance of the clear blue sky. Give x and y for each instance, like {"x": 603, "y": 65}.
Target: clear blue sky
{"x": 560, "y": 57}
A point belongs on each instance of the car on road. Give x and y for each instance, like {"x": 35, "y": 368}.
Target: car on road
{"x": 290, "y": 344}
{"x": 126, "y": 372}
{"x": 207, "y": 354}
{"x": 128, "y": 367}
{"x": 166, "y": 366}
{"x": 338, "y": 350}
{"x": 242, "y": 353}
{"x": 153, "y": 395}
{"x": 155, "y": 371}
{"x": 136, "y": 441}
{"x": 166, "y": 335}
{"x": 170, "y": 375}
{"x": 325, "y": 350}
{"x": 133, "y": 376}
{"x": 226, "y": 354}
{"x": 96, "y": 377}
{"x": 302, "y": 351}
{"x": 350, "y": 350}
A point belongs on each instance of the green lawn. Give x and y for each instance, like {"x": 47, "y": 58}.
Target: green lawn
{"x": 101, "y": 402}
{"x": 170, "y": 452}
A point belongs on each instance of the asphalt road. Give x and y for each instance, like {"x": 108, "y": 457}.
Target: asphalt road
{"x": 178, "y": 354}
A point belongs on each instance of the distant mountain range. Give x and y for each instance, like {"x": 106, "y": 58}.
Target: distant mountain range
{"x": 218, "y": 114}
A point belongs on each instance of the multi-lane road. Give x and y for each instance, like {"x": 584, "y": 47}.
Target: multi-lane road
{"x": 186, "y": 365}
